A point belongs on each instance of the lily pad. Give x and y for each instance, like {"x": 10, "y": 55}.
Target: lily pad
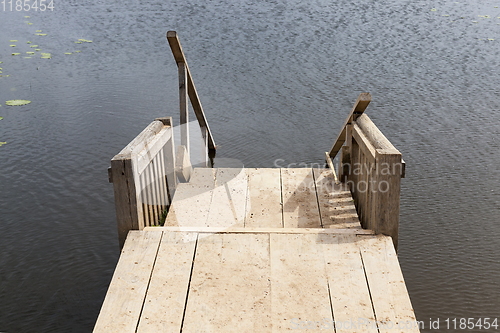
{"x": 84, "y": 40}
{"x": 445, "y": 15}
{"x": 28, "y": 42}
{"x": 1, "y": 118}
{"x": 433, "y": 9}
{"x": 68, "y": 53}
{"x": 33, "y": 45}
{"x": 78, "y": 51}
{"x": 46, "y": 56}
{"x": 26, "y": 17}
{"x": 2, "y": 143}
{"x": 38, "y": 49}
{"x": 31, "y": 53}
{"x": 78, "y": 42}
{"x": 30, "y": 23}
{"x": 12, "y": 45}
{"x": 39, "y": 31}
{"x": 491, "y": 39}
{"x": 41, "y": 34}
{"x": 14, "y": 54}
{"x": 13, "y": 40}
{"x": 17, "y": 102}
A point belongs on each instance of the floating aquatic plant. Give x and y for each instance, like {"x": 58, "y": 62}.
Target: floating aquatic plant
{"x": 68, "y": 53}
{"x": 84, "y": 40}
{"x": 491, "y": 39}
{"x": 433, "y": 9}
{"x": 33, "y": 45}
{"x": 26, "y": 17}
{"x": 28, "y": 42}
{"x": 41, "y": 34}
{"x": 2, "y": 143}
{"x": 39, "y": 31}
{"x": 1, "y": 118}
{"x": 31, "y": 53}
{"x": 30, "y": 23}
{"x": 46, "y": 56}
{"x": 38, "y": 49}
{"x": 78, "y": 51}
{"x": 14, "y": 54}
{"x": 78, "y": 42}
{"x": 13, "y": 40}
{"x": 12, "y": 45}
{"x": 17, "y": 102}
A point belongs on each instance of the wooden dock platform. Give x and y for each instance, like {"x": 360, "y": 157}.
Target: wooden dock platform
{"x": 258, "y": 250}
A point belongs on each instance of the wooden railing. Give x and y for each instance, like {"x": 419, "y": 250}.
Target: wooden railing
{"x": 145, "y": 173}
{"x": 143, "y": 178}
{"x": 372, "y": 168}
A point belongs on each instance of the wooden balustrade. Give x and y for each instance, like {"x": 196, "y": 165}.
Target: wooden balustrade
{"x": 143, "y": 178}
{"x": 372, "y": 168}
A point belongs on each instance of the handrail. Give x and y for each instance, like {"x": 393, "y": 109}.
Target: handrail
{"x": 180, "y": 59}
{"x": 358, "y": 109}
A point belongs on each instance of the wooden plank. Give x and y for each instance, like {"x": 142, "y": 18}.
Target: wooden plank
{"x": 366, "y": 147}
{"x": 127, "y": 217}
{"x": 299, "y": 283}
{"x": 300, "y": 205}
{"x": 228, "y": 205}
{"x": 164, "y": 305}
{"x": 264, "y": 207}
{"x": 345, "y": 163}
{"x": 184, "y": 106}
{"x": 230, "y": 285}
{"x": 373, "y": 133}
{"x": 169, "y": 164}
{"x": 358, "y": 108}
{"x": 175, "y": 45}
{"x": 387, "y": 194}
{"x": 151, "y": 149}
{"x": 183, "y": 168}
{"x": 258, "y": 230}
{"x": 332, "y": 168}
{"x": 335, "y": 202}
{"x": 140, "y": 140}
{"x": 191, "y": 203}
{"x": 390, "y": 298}
{"x": 348, "y": 288}
{"x": 123, "y": 303}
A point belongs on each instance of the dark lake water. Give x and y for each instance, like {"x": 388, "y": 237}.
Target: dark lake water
{"x": 276, "y": 80}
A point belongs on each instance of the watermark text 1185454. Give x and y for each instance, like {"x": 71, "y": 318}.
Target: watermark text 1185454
{"x": 26, "y": 5}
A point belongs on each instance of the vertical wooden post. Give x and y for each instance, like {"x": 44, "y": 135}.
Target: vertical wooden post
{"x": 184, "y": 106}
{"x": 386, "y": 194}
{"x": 204, "y": 146}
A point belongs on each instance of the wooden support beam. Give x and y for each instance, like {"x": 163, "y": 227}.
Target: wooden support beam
{"x": 358, "y": 109}
{"x": 184, "y": 106}
{"x": 175, "y": 45}
{"x": 330, "y": 164}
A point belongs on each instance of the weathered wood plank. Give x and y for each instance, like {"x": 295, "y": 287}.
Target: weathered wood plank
{"x": 264, "y": 207}
{"x": 387, "y": 287}
{"x": 166, "y": 296}
{"x": 191, "y": 203}
{"x": 229, "y": 199}
{"x": 300, "y": 205}
{"x": 299, "y": 288}
{"x": 347, "y": 284}
{"x": 144, "y": 157}
{"x": 258, "y": 230}
{"x": 366, "y": 147}
{"x": 358, "y": 108}
{"x": 183, "y": 168}
{"x": 184, "y": 106}
{"x": 230, "y": 285}
{"x": 335, "y": 202}
{"x": 124, "y": 299}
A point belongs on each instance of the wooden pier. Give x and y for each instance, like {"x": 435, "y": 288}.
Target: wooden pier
{"x": 256, "y": 249}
